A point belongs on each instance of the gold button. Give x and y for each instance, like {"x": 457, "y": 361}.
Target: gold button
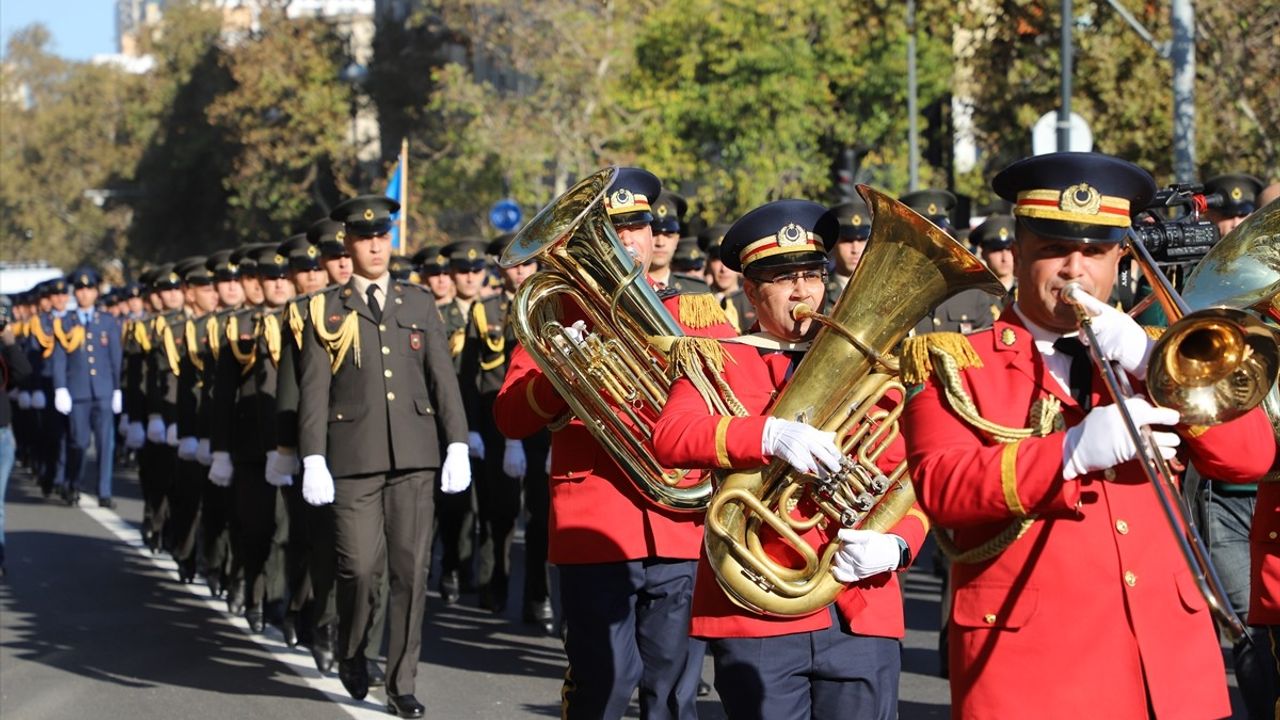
{"x": 989, "y": 618}
{"x": 338, "y": 416}
{"x": 936, "y": 322}
{"x": 93, "y": 372}
{"x": 1271, "y": 535}
{"x": 1130, "y": 579}
{"x": 91, "y": 361}
{"x": 391, "y": 396}
{"x": 399, "y": 301}
{"x": 1122, "y": 527}
{"x": 386, "y": 373}
{"x": 383, "y": 328}
{"x": 1109, "y": 473}
{"x": 386, "y": 350}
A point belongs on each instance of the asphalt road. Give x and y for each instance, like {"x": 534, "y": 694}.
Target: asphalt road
{"x": 92, "y": 624}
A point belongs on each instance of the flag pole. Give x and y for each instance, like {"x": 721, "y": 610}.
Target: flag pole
{"x": 404, "y": 196}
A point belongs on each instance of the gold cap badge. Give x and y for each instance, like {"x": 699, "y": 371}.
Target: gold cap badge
{"x": 368, "y": 213}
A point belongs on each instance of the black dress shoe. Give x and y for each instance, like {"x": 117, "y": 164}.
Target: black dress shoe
{"x": 257, "y": 622}
{"x": 289, "y": 628}
{"x": 107, "y": 503}
{"x": 377, "y": 678}
{"x": 540, "y": 614}
{"x": 450, "y": 591}
{"x": 405, "y": 706}
{"x": 187, "y": 569}
{"x": 322, "y": 648}
{"x": 354, "y": 674}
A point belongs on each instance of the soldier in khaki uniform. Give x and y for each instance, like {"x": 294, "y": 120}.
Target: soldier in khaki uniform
{"x": 855, "y": 230}
{"x": 994, "y": 238}
{"x": 378, "y": 401}
{"x": 725, "y": 282}
{"x": 668, "y": 220}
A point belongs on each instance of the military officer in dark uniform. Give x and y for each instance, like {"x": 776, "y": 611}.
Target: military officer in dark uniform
{"x": 1239, "y": 193}
{"x": 433, "y": 272}
{"x": 668, "y": 217}
{"x": 195, "y": 377}
{"x": 994, "y": 238}
{"x": 855, "y": 230}
{"x": 379, "y": 399}
{"x": 725, "y": 282}
{"x": 52, "y": 433}
{"x": 689, "y": 260}
{"x": 968, "y": 310}
{"x": 162, "y": 365}
{"x": 401, "y": 268}
{"x": 86, "y": 379}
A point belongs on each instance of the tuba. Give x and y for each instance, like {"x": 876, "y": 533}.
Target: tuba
{"x": 615, "y": 378}
{"x": 909, "y": 267}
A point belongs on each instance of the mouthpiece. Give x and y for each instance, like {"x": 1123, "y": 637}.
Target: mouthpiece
{"x": 1069, "y": 292}
{"x": 801, "y": 311}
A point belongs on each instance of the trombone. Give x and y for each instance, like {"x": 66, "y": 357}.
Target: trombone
{"x": 1212, "y": 366}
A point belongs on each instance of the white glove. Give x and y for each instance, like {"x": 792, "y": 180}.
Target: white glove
{"x": 62, "y": 400}
{"x": 203, "y": 454}
{"x": 317, "y": 483}
{"x": 476, "y": 445}
{"x": 1101, "y": 441}
{"x": 117, "y": 402}
{"x": 1120, "y": 337}
{"x": 455, "y": 472}
{"x": 864, "y": 553}
{"x": 38, "y": 401}
{"x": 155, "y": 429}
{"x": 123, "y": 425}
{"x": 513, "y": 460}
{"x": 220, "y": 470}
{"x": 24, "y": 400}
{"x": 282, "y": 461}
{"x": 136, "y": 437}
{"x": 803, "y": 446}
{"x": 577, "y": 332}
{"x": 187, "y": 447}
{"x": 171, "y": 436}
{"x": 276, "y": 479}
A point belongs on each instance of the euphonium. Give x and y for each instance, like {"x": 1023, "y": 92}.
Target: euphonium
{"x": 613, "y": 379}
{"x": 908, "y": 268}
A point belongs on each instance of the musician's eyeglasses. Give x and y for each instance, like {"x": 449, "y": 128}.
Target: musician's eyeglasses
{"x": 793, "y": 279}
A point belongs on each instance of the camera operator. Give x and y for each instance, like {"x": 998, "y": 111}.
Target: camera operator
{"x": 1239, "y": 193}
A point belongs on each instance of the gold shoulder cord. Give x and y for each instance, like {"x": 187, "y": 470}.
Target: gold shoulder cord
{"x": 923, "y": 355}
{"x": 37, "y": 331}
{"x": 482, "y": 327}
{"x": 69, "y": 343}
{"x": 271, "y": 334}
{"x": 211, "y": 332}
{"x": 296, "y": 323}
{"x": 193, "y": 349}
{"x": 169, "y": 344}
{"x": 246, "y": 359}
{"x": 701, "y": 362}
{"x": 339, "y": 342}
{"x": 141, "y": 336}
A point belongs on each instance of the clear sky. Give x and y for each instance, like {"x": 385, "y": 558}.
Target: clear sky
{"x": 80, "y": 28}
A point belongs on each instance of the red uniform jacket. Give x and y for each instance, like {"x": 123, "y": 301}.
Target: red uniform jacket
{"x": 597, "y": 513}
{"x": 1093, "y": 610}
{"x": 1264, "y": 556}
{"x": 687, "y": 436}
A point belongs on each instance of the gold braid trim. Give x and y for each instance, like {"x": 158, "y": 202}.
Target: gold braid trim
{"x": 71, "y": 342}
{"x": 482, "y": 327}
{"x": 1046, "y": 417}
{"x": 1153, "y": 332}
{"x": 193, "y": 349}
{"x": 731, "y": 315}
{"x": 169, "y": 344}
{"x": 917, "y": 355}
{"x": 700, "y": 310}
{"x": 701, "y": 361}
{"x": 211, "y": 333}
{"x": 296, "y": 323}
{"x": 37, "y": 331}
{"x": 339, "y": 342}
{"x": 141, "y": 336}
{"x": 246, "y": 359}
{"x": 271, "y": 333}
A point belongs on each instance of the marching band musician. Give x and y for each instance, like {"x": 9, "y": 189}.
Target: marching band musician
{"x": 1070, "y": 595}
{"x": 379, "y": 413}
{"x": 842, "y": 660}
{"x": 625, "y": 563}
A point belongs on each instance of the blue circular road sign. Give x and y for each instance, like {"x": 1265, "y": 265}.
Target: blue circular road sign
{"x": 505, "y": 215}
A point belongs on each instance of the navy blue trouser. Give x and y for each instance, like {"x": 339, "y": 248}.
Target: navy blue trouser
{"x": 829, "y": 673}
{"x": 91, "y": 418}
{"x": 627, "y": 624}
